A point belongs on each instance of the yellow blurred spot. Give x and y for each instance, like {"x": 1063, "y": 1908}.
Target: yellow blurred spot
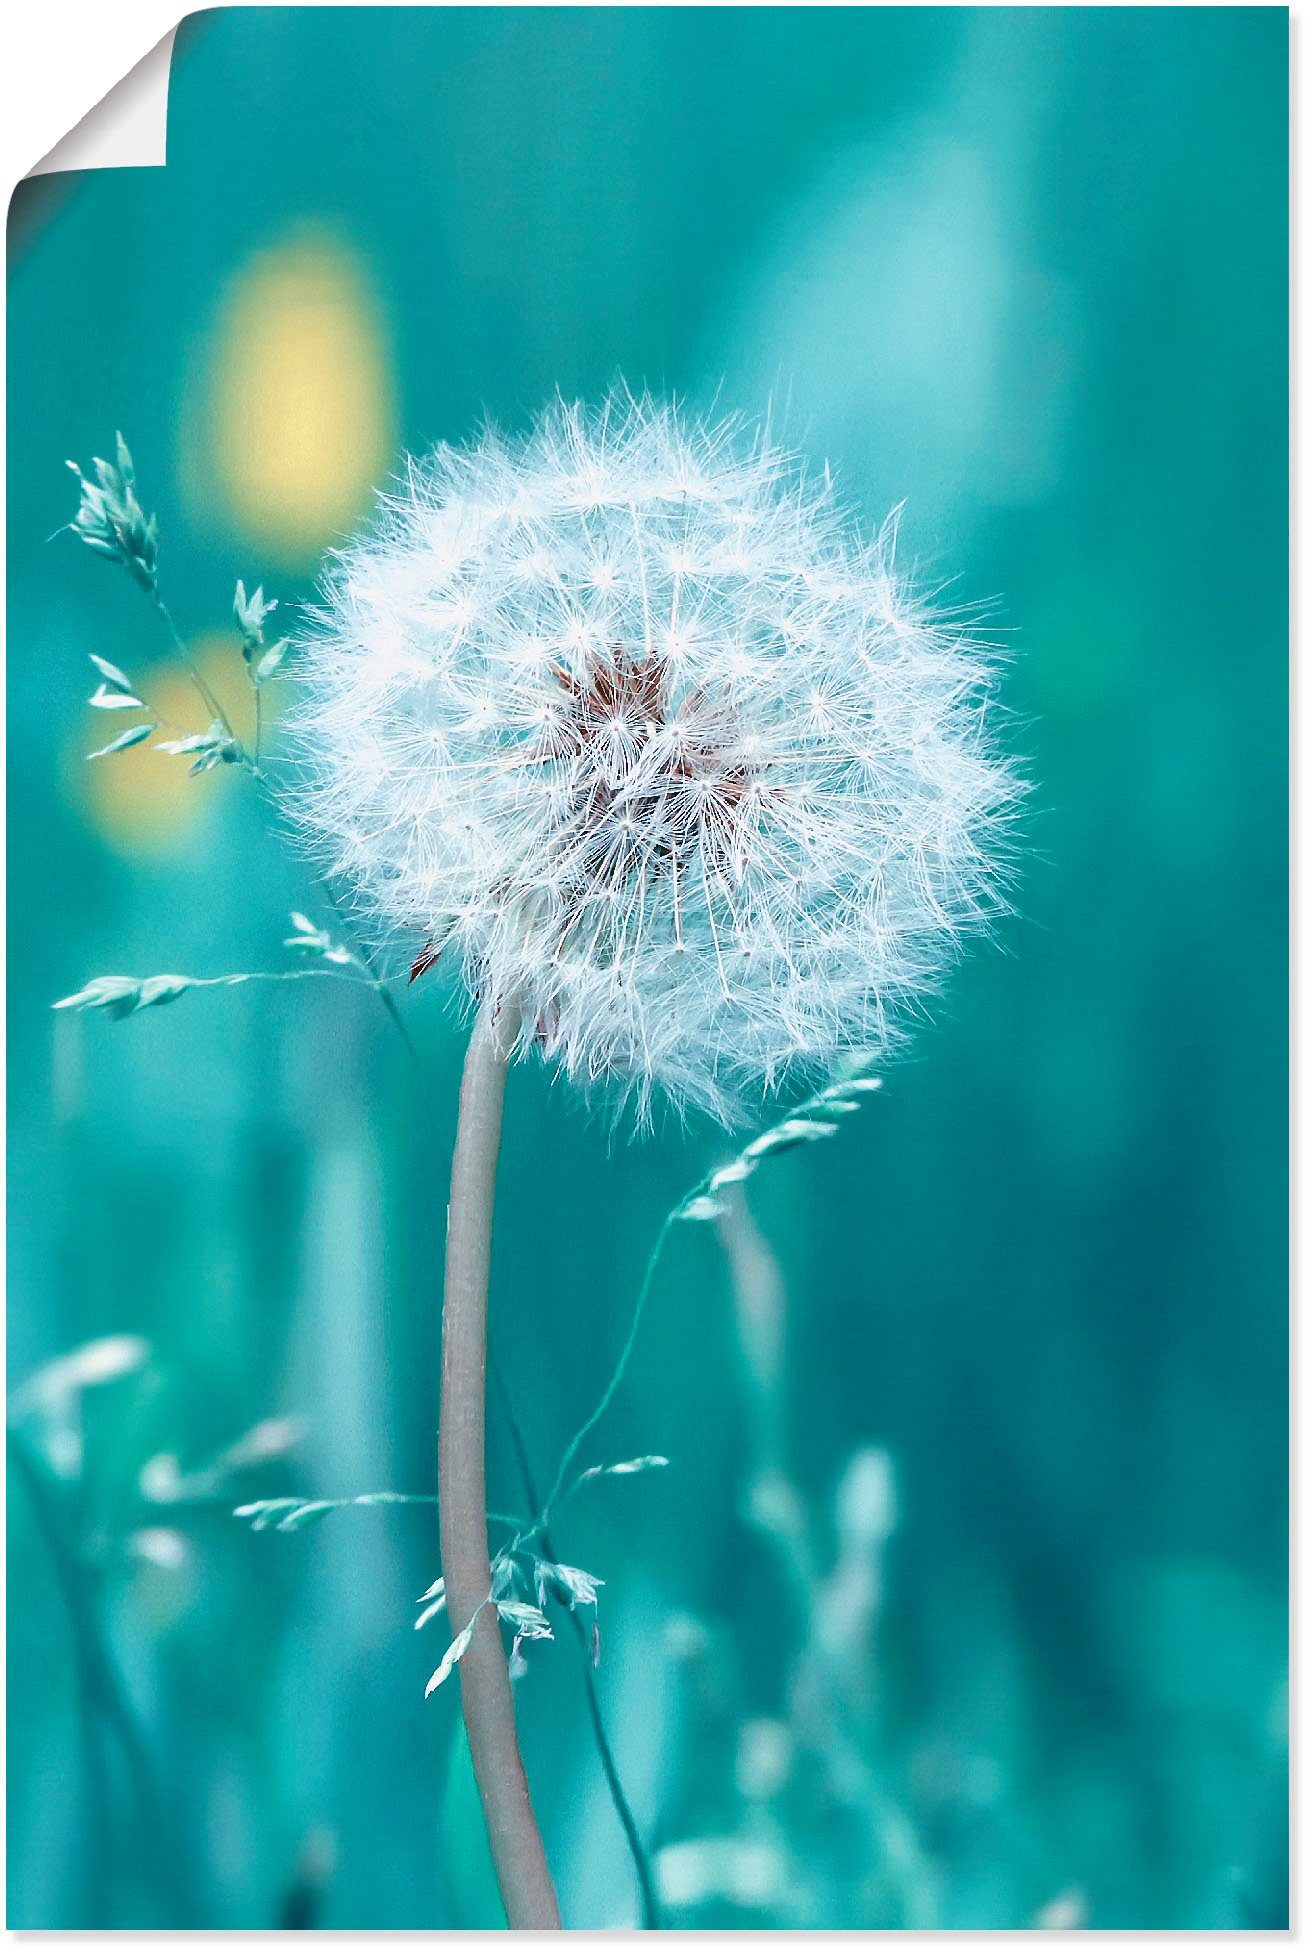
{"x": 300, "y": 425}
{"x": 143, "y": 801}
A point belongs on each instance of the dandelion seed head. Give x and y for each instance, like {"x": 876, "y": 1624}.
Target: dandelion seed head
{"x": 626, "y": 722}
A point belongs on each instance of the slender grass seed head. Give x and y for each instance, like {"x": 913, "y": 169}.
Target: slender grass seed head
{"x": 625, "y": 720}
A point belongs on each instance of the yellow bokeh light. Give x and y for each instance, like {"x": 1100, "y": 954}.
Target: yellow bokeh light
{"x": 143, "y": 801}
{"x": 300, "y": 410}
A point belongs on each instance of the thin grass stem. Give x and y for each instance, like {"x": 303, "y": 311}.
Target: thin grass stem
{"x": 607, "y": 1758}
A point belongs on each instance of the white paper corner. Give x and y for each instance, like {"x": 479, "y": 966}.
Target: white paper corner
{"x": 128, "y": 129}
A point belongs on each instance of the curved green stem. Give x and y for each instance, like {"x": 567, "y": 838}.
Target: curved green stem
{"x": 607, "y": 1758}
{"x": 193, "y": 669}
{"x": 618, "y": 1373}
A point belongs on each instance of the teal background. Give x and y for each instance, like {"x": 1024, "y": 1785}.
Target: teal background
{"x": 1027, "y": 270}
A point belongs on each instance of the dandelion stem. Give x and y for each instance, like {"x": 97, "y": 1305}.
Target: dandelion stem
{"x": 487, "y": 1704}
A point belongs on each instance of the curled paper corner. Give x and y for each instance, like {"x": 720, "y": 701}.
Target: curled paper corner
{"x": 128, "y": 128}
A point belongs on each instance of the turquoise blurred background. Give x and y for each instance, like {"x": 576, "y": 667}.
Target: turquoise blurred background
{"x": 967, "y": 1605}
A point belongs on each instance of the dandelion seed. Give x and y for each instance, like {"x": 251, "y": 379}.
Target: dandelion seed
{"x": 627, "y": 718}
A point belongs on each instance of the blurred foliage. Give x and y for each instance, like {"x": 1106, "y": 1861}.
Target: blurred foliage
{"x": 962, "y": 1601}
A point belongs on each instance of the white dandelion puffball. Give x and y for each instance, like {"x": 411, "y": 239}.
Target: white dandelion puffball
{"x": 625, "y": 720}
